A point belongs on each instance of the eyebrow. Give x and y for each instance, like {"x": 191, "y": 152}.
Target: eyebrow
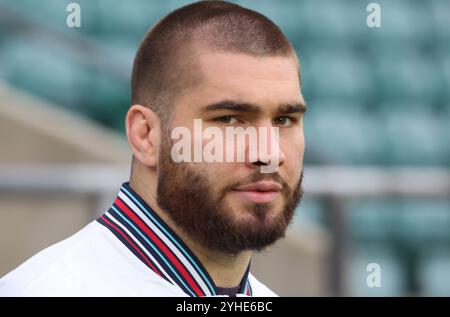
{"x": 297, "y": 107}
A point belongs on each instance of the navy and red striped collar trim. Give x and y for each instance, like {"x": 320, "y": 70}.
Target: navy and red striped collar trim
{"x": 153, "y": 242}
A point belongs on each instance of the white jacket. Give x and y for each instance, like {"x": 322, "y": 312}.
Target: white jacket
{"x": 129, "y": 251}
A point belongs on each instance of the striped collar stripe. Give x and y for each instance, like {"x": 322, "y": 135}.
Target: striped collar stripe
{"x": 137, "y": 250}
{"x": 153, "y": 242}
{"x": 156, "y": 225}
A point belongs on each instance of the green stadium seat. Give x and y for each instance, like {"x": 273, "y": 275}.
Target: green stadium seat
{"x": 311, "y": 209}
{"x": 121, "y": 19}
{"x": 288, "y": 16}
{"x": 414, "y": 134}
{"x": 425, "y": 222}
{"x": 434, "y": 274}
{"x": 403, "y": 75}
{"x": 340, "y": 74}
{"x": 445, "y": 66}
{"x": 343, "y": 133}
{"x": 330, "y": 20}
{"x": 414, "y": 222}
{"x": 440, "y": 16}
{"x": 43, "y": 68}
{"x": 393, "y": 281}
{"x": 402, "y": 21}
{"x": 373, "y": 220}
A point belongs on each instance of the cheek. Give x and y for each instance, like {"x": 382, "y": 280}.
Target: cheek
{"x": 293, "y": 149}
{"x": 221, "y": 172}
{"x": 301, "y": 147}
{"x": 217, "y": 173}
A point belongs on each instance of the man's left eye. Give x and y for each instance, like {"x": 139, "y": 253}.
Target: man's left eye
{"x": 283, "y": 121}
{"x": 226, "y": 119}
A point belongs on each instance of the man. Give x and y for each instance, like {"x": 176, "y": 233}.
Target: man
{"x": 190, "y": 228}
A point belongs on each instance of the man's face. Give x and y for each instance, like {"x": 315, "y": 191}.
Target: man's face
{"x": 205, "y": 199}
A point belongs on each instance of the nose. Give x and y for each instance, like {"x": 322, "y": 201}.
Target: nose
{"x": 268, "y": 150}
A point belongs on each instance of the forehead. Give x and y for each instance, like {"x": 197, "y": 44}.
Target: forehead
{"x": 236, "y": 76}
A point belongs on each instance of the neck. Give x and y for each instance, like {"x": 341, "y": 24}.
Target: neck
{"x": 225, "y": 270}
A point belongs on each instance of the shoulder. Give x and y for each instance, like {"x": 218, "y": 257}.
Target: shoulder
{"x": 259, "y": 289}
{"x": 89, "y": 263}
{"x": 54, "y": 270}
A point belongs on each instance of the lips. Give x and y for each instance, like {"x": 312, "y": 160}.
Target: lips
{"x": 260, "y": 192}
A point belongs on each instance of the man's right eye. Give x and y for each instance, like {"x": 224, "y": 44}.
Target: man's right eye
{"x": 226, "y": 119}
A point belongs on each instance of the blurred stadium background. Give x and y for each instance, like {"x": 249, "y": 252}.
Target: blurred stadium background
{"x": 377, "y": 175}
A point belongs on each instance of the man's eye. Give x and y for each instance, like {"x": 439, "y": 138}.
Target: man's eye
{"x": 226, "y": 119}
{"x": 283, "y": 121}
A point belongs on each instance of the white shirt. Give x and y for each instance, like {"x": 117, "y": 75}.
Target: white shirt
{"x": 128, "y": 251}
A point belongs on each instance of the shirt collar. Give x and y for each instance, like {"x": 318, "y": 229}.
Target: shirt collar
{"x": 151, "y": 240}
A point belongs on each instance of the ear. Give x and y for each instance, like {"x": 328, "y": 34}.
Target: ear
{"x": 144, "y": 134}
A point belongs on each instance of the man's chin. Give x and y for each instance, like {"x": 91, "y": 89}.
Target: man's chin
{"x": 255, "y": 215}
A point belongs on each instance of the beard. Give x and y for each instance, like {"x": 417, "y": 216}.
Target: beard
{"x": 188, "y": 198}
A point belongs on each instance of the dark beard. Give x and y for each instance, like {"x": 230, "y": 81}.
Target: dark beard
{"x": 187, "y": 197}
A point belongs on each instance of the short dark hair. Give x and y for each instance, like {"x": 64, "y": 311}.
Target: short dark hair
{"x": 162, "y": 66}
